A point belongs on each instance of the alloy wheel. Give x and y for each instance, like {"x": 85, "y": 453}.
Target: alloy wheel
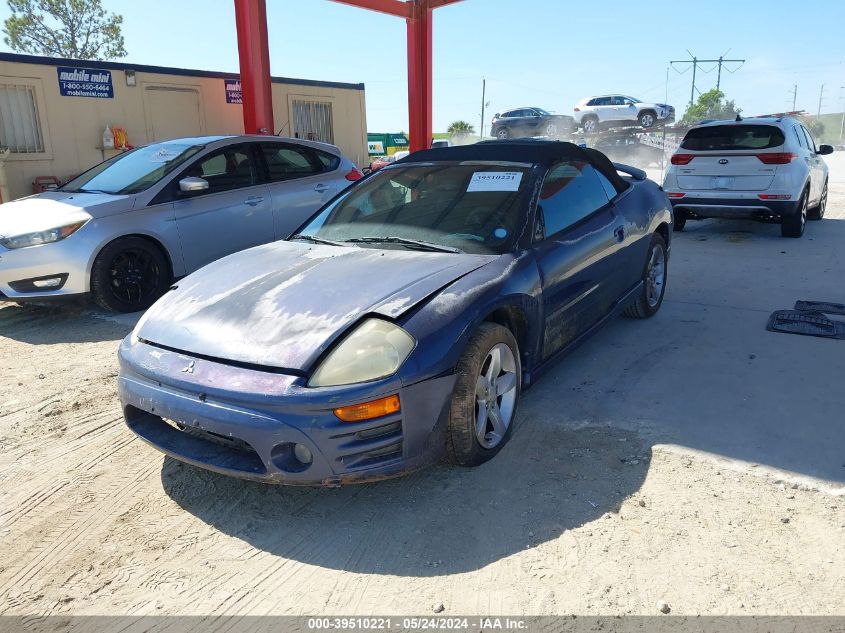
{"x": 134, "y": 276}
{"x": 655, "y": 277}
{"x": 647, "y": 120}
{"x": 495, "y": 396}
{"x": 590, "y": 126}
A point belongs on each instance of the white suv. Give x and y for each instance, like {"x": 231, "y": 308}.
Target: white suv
{"x": 594, "y": 113}
{"x": 765, "y": 168}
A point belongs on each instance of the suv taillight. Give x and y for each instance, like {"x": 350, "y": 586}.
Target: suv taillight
{"x": 777, "y": 158}
{"x": 682, "y": 159}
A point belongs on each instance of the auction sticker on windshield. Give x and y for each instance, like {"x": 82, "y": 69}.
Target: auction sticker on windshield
{"x": 495, "y": 181}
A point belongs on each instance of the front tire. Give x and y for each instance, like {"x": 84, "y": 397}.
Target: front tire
{"x": 654, "y": 281}
{"x": 485, "y": 397}
{"x": 817, "y": 212}
{"x": 793, "y": 225}
{"x": 647, "y": 119}
{"x": 129, "y": 275}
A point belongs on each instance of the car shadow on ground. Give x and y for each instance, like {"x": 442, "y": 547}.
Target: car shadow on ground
{"x": 443, "y": 520}
{"x": 51, "y": 324}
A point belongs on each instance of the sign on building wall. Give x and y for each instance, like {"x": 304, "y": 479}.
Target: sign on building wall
{"x": 85, "y": 82}
{"x": 233, "y": 91}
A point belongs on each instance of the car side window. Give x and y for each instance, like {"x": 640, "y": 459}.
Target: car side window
{"x": 617, "y": 101}
{"x": 226, "y": 169}
{"x": 609, "y": 189}
{"x": 811, "y": 144}
{"x": 330, "y": 162}
{"x": 602, "y": 101}
{"x": 287, "y": 162}
{"x": 800, "y": 136}
{"x": 571, "y": 192}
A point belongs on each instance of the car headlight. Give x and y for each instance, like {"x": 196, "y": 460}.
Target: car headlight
{"x": 375, "y": 349}
{"x": 41, "y": 237}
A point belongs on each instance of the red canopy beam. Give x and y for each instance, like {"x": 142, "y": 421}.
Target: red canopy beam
{"x": 418, "y": 14}
{"x": 254, "y": 54}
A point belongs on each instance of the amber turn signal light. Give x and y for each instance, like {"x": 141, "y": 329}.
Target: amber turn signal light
{"x": 369, "y": 410}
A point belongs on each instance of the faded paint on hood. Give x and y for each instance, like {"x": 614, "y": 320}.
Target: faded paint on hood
{"x": 282, "y": 304}
{"x": 53, "y": 209}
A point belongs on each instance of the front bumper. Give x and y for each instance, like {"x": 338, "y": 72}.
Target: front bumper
{"x": 59, "y": 259}
{"x": 735, "y": 206}
{"x": 244, "y": 422}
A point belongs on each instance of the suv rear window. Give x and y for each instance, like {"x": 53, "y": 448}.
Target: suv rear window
{"x": 733, "y": 137}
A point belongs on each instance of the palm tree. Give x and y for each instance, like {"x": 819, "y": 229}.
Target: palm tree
{"x": 460, "y": 128}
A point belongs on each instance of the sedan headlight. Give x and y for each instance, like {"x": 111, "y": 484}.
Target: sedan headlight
{"x": 375, "y": 349}
{"x": 41, "y": 237}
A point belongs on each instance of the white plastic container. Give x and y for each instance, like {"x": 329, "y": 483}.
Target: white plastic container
{"x": 108, "y": 138}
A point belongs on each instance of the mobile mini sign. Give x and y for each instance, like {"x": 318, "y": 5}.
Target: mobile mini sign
{"x": 85, "y": 82}
{"x": 233, "y": 91}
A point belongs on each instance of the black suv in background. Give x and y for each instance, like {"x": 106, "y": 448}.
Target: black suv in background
{"x": 531, "y": 122}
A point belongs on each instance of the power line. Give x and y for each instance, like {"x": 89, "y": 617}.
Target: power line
{"x": 696, "y": 62}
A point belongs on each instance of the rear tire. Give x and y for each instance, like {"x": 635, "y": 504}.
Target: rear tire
{"x": 590, "y": 124}
{"x": 680, "y": 218}
{"x": 793, "y": 225}
{"x": 655, "y": 274}
{"x": 817, "y": 212}
{"x": 129, "y": 275}
{"x": 485, "y": 397}
{"x": 503, "y": 134}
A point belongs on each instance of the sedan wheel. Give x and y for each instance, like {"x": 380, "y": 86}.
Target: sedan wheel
{"x": 484, "y": 401}
{"x": 551, "y": 130}
{"x": 653, "y": 281}
{"x": 129, "y": 274}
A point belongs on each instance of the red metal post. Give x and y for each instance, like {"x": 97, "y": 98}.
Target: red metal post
{"x": 254, "y": 54}
{"x": 419, "y": 76}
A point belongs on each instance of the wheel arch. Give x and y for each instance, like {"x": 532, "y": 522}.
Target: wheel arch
{"x": 514, "y": 319}
{"x": 144, "y": 236}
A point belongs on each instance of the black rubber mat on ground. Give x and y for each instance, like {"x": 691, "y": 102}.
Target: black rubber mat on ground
{"x": 820, "y": 306}
{"x": 806, "y": 323}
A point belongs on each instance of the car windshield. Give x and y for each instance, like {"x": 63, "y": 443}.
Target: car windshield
{"x": 474, "y": 207}
{"x": 134, "y": 171}
{"x": 715, "y": 138}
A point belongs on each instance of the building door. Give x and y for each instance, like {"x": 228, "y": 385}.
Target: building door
{"x": 172, "y": 112}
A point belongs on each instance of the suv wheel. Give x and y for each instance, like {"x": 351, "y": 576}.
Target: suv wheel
{"x": 551, "y": 130}
{"x": 793, "y": 225}
{"x": 590, "y": 125}
{"x": 647, "y": 118}
{"x": 817, "y": 212}
{"x": 502, "y": 133}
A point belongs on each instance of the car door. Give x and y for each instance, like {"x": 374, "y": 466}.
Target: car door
{"x": 232, "y": 214}
{"x": 603, "y": 109}
{"x": 816, "y": 164}
{"x": 299, "y": 183}
{"x": 533, "y": 123}
{"x": 574, "y": 245}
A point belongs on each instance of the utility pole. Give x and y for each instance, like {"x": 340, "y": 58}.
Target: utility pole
{"x": 794, "y": 96}
{"x": 697, "y": 62}
{"x": 483, "y": 97}
{"x": 821, "y": 96}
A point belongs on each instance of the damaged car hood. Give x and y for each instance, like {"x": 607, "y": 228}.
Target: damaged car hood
{"x": 282, "y": 305}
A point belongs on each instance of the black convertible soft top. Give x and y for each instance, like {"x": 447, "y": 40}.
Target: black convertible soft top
{"x": 535, "y": 152}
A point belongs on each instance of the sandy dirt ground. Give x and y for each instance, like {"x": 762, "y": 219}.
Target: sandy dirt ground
{"x": 693, "y": 459}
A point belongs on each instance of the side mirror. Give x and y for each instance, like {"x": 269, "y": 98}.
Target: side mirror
{"x": 824, "y": 150}
{"x": 192, "y": 184}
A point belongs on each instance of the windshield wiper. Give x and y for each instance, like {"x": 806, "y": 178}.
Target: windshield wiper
{"x": 86, "y": 191}
{"x": 429, "y": 246}
{"x": 316, "y": 240}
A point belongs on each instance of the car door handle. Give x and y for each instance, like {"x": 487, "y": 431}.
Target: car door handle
{"x": 321, "y": 188}
{"x": 254, "y": 200}
{"x": 619, "y": 233}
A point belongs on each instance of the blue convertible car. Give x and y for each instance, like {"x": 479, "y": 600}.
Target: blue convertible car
{"x": 404, "y": 319}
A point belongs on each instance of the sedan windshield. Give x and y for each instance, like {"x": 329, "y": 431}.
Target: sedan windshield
{"x": 134, "y": 171}
{"x": 450, "y": 207}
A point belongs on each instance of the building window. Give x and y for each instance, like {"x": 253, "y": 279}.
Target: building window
{"x": 312, "y": 120}
{"x": 20, "y": 127}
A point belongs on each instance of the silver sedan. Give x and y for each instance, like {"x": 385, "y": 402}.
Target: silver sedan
{"x": 123, "y": 230}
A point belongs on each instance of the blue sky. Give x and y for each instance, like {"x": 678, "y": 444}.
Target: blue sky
{"x": 548, "y": 53}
